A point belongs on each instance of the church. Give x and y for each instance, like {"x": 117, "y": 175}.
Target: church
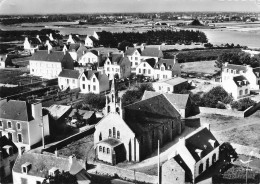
{"x": 132, "y": 133}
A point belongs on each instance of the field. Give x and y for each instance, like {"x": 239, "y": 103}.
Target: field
{"x": 205, "y": 67}
{"x": 245, "y": 131}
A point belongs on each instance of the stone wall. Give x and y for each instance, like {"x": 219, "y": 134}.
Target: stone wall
{"x": 245, "y": 150}
{"x": 225, "y": 112}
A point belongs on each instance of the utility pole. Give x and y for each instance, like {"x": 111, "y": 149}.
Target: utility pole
{"x": 42, "y": 125}
{"x": 158, "y": 161}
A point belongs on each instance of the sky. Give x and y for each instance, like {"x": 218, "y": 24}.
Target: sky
{"x": 114, "y": 6}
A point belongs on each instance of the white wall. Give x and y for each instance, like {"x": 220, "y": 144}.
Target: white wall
{"x": 162, "y": 87}
{"x": 44, "y": 69}
{"x": 166, "y": 74}
{"x": 89, "y": 85}
{"x": 89, "y": 57}
{"x": 30, "y": 179}
{"x": 73, "y": 83}
{"x": 145, "y": 66}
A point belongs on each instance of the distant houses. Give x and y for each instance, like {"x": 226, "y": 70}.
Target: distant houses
{"x": 69, "y": 79}
{"x": 172, "y": 85}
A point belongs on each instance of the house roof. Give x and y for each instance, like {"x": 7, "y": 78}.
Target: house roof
{"x": 167, "y": 63}
{"x": 34, "y": 41}
{"x": 131, "y": 50}
{"x": 99, "y": 76}
{"x": 178, "y": 100}
{"x": 81, "y": 51}
{"x": 76, "y": 38}
{"x": 16, "y": 110}
{"x": 256, "y": 71}
{"x": 199, "y": 139}
{"x": 86, "y": 114}
{"x": 42, "y": 163}
{"x": 158, "y": 105}
{"x": 74, "y": 47}
{"x": 52, "y": 56}
{"x": 94, "y": 52}
{"x": 151, "y": 51}
{"x": 150, "y": 61}
{"x": 4, "y": 141}
{"x": 173, "y": 81}
{"x": 93, "y": 39}
{"x": 111, "y": 142}
{"x": 236, "y": 67}
{"x": 44, "y": 38}
{"x": 241, "y": 78}
{"x": 57, "y": 111}
{"x": 74, "y": 74}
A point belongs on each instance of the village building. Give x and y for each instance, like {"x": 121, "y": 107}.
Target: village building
{"x": 35, "y": 167}
{"x": 68, "y": 79}
{"x": 32, "y": 44}
{"x": 48, "y": 64}
{"x": 171, "y": 85}
{"x": 5, "y": 60}
{"x": 146, "y": 67}
{"x": 22, "y": 123}
{"x": 91, "y": 42}
{"x": 117, "y": 65}
{"x": 167, "y": 68}
{"x": 181, "y": 102}
{"x": 197, "y": 152}
{"x": 132, "y": 133}
{"x": 8, "y": 155}
{"x": 84, "y": 117}
{"x": 238, "y": 86}
{"x": 82, "y": 50}
{"x": 89, "y": 57}
{"x": 52, "y": 45}
{"x": 96, "y": 35}
{"x": 73, "y": 39}
{"x": 93, "y": 82}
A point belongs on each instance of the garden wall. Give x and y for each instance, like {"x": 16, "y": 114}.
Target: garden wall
{"x": 191, "y": 122}
{"x": 226, "y": 112}
{"x": 251, "y": 110}
{"x": 126, "y": 174}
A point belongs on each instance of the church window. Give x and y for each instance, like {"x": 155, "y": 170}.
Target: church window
{"x": 118, "y": 134}
{"x": 108, "y": 151}
{"x": 110, "y": 133}
{"x": 108, "y": 109}
{"x": 100, "y": 148}
{"x": 114, "y": 132}
{"x": 112, "y": 98}
{"x": 100, "y": 137}
{"x": 104, "y": 149}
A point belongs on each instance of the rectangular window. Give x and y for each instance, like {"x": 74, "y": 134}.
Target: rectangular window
{"x": 136, "y": 63}
{"x": 9, "y": 124}
{"x": 83, "y": 86}
{"x": 19, "y": 137}
{"x": 136, "y": 58}
{"x": 168, "y": 88}
{"x": 149, "y": 71}
{"x": 83, "y": 78}
{"x": 73, "y": 81}
{"x": 94, "y": 80}
{"x": 1, "y": 123}
{"x": 18, "y": 126}
{"x": 139, "y": 70}
{"x": 94, "y": 88}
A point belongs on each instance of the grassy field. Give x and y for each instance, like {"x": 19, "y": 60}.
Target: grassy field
{"x": 206, "y": 67}
{"x": 245, "y": 131}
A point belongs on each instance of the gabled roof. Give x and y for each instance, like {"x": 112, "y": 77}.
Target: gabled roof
{"x": 241, "y": 78}
{"x": 131, "y": 50}
{"x": 89, "y": 73}
{"x": 43, "y": 55}
{"x": 4, "y": 141}
{"x": 200, "y": 140}
{"x": 86, "y": 114}
{"x": 94, "y": 40}
{"x": 34, "y": 41}
{"x": 74, "y": 47}
{"x": 256, "y": 71}
{"x": 178, "y": 100}
{"x": 54, "y": 43}
{"x": 16, "y": 110}
{"x": 173, "y": 81}
{"x": 76, "y": 38}
{"x": 42, "y": 163}
{"x": 81, "y": 50}
{"x": 166, "y": 63}
{"x": 57, "y": 111}
{"x": 95, "y": 52}
{"x": 150, "y": 61}
{"x": 236, "y": 67}
{"x": 158, "y": 105}
{"x": 152, "y": 52}
{"x": 74, "y": 74}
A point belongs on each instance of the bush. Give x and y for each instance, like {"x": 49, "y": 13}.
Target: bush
{"x": 94, "y": 101}
{"x": 243, "y": 104}
{"x": 220, "y": 106}
{"x": 216, "y": 94}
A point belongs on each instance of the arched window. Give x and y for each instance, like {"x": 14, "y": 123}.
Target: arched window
{"x": 108, "y": 109}
{"x": 108, "y": 151}
{"x": 240, "y": 92}
{"x": 104, "y": 149}
{"x": 117, "y": 110}
{"x": 112, "y": 98}
{"x": 214, "y": 158}
{"x": 118, "y": 134}
{"x": 110, "y": 133}
{"x": 207, "y": 163}
{"x": 246, "y": 91}
{"x": 100, "y": 148}
{"x": 114, "y": 132}
{"x": 201, "y": 168}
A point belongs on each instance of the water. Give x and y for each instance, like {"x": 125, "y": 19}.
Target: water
{"x": 246, "y": 35}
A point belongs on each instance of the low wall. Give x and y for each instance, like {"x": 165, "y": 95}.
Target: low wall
{"x": 192, "y": 122}
{"x": 245, "y": 150}
{"x": 126, "y": 174}
{"x": 226, "y": 112}
{"x": 251, "y": 110}
{"x": 70, "y": 139}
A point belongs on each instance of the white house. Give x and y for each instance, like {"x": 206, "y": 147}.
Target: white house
{"x": 197, "y": 152}
{"x": 117, "y": 65}
{"x": 48, "y": 64}
{"x": 172, "y": 85}
{"x": 22, "y": 123}
{"x": 251, "y": 74}
{"x": 167, "y": 68}
{"x": 31, "y": 44}
{"x": 238, "y": 86}
{"x": 146, "y": 67}
{"x": 73, "y": 39}
{"x": 3, "y": 59}
{"x": 91, "y": 41}
{"x": 96, "y": 35}
{"x": 93, "y": 82}
{"x": 91, "y": 56}
{"x": 33, "y": 168}
{"x": 68, "y": 79}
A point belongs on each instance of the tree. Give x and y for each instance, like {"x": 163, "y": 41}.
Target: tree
{"x": 243, "y": 104}
{"x": 145, "y": 87}
{"x": 227, "y": 152}
{"x": 211, "y": 98}
{"x": 94, "y": 101}
{"x": 61, "y": 178}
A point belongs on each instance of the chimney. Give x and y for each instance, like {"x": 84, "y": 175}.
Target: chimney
{"x": 64, "y": 51}
{"x": 56, "y": 153}
{"x": 51, "y": 37}
{"x": 226, "y": 63}
{"x": 108, "y": 54}
{"x": 123, "y": 55}
{"x": 98, "y": 53}
{"x": 26, "y": 39}
{"x": 36, "y": 110}
{"x": 72, "y": 159}
{"x": 70, "y": 37}
{"x": 174, "y": 59}
{"x": 126, "y": 48}
{"x": 159, "y": 47}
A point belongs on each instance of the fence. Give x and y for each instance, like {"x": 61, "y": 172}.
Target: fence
{"x": 126, "y": 174}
